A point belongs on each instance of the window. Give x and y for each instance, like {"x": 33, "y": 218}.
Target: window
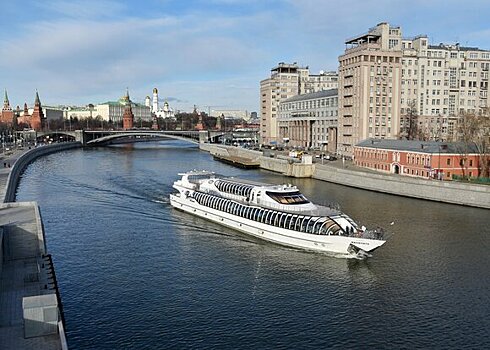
{"x": 288, "y": 197}
{"x": 448, "y": 161}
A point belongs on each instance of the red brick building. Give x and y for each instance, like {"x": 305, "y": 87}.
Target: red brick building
{"x": 425, "y": 159}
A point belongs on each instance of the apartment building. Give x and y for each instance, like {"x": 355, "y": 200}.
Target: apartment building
{"x": 310, "y": 120}
{"x": 441, "y": 82}
{"x": 370, "y": 73}
{"x": 287, "y": 80}
{"x": 388, "y": 83}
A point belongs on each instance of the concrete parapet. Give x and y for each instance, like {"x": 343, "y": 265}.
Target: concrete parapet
{"x": 21, "y": 164}
{"x": 40, "y": 314}
{"x": 441, "y": 191}
{"x": 286, "y": 167}
{"x": 283, "y": 166}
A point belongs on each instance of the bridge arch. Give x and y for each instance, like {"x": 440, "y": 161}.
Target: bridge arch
{"x": 107, "y": 137}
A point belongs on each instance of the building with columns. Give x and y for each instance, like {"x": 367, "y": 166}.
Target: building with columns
{"x": 369, "y": 87}
{"x": 287, "y": 80}
{"x": 310, "y": 120}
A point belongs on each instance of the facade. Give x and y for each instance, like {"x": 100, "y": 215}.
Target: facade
{"x": 286, "y": 80}
{"x": 310, "y": 120}
{"x": 110, "y": 111}
{"x": 369, "y": 87}
{"x": 440, "y": 82}
{"x": 230, "y": 113}
{"x": 424, "y": 159}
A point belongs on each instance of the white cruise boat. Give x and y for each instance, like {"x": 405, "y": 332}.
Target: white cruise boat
{"x": 276, "y": 213}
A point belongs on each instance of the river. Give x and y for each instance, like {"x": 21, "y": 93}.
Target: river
{"x": 134, "y": 273}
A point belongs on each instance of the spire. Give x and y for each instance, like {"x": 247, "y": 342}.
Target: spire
{"x": 38, "y": 101}
{"x": 6, "y": 103}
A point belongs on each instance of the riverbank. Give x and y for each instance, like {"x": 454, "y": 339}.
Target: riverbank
{"x": 32, "y": 316}
{"x": 473, "y": 195}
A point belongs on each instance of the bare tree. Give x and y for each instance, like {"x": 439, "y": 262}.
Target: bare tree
{"x": 482, "y": 143}
{"x": 410, "y": 127}
{"x": 467, "y": 129}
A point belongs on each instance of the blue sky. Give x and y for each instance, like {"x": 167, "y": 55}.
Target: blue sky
{"x": 208, "y": 53}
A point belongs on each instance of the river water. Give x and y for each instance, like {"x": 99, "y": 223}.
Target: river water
{"x": 134, "y": 273}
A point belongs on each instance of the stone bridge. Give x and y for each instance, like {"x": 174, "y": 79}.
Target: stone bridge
{"x": 104, "y": 137}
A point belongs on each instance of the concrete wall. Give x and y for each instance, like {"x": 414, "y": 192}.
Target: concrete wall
{"x": 278, "y": 165}
{"x": 1, "y": 251}
{"x": 21, "y": 164}
{"x": 442, "y": 191}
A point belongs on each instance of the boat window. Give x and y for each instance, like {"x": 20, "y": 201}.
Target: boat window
{"x": 281, "y": 219}
{"x": 288, "y": 197}
{"x": 297, "y": 224}
{"x": 288, "y": 220}
{"x": 311, "y": 224}
{"x": 317, "y": 225}
{"x": 304, "y": 222}
{"x": 273, "y": 218}
{"x": 293, "y": 221}
{"x": 266, "y": 216}
{"x": 247, "y": 213}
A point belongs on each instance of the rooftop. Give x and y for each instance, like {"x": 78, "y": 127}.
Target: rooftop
{"x": 313, "y": 95}
{"x": 442, "y": 46}
{"x": 417, "y": 146}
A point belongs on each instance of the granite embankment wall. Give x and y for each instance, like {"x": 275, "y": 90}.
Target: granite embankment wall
{"x": 24, "y": 160}
{"x": 283, "y": 166}
{"x": 441, "y": 191}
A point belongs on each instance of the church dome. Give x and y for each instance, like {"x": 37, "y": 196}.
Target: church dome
{"x": 155, "y": 90}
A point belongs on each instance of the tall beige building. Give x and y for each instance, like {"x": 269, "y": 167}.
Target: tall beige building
{"x": 440, "y": 82}
{"x": 369, "y": 87}
{"x": 287, "y": 80}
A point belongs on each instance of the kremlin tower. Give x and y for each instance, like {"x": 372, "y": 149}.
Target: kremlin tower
{"x": 128, "y": 116}
{"x": 7, "y": 115}
{"x": 37, "y": 116}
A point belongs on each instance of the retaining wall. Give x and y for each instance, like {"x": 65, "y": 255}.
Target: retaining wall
{"x": 283, "y": 166}
{"x": 24, "y": 160}
{"x": 441, "y": 191}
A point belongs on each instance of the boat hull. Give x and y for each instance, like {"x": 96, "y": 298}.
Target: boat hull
{"x": 323, "y": 243}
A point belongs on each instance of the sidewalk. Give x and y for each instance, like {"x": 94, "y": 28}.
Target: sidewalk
{"x": 9, "y": 158}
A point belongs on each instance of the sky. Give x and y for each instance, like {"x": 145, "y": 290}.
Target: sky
{"x": 211, "y": 54}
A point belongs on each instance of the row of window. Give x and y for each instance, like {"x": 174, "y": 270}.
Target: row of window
{"x": 302, "y": 223}
{"x": 234, "y": 188}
